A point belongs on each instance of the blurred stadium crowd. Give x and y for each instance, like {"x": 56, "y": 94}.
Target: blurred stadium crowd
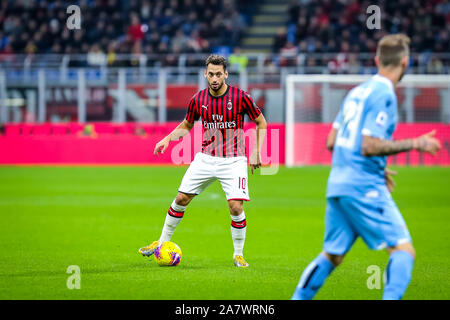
{"x": 171, "y": 28}
{"x": 112, "y": 27}
{"x": 339, "y": 26}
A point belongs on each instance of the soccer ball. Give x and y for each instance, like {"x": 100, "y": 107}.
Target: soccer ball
{"x": 168, "y": 254}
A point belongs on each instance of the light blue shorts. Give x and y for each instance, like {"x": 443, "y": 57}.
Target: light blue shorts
{"x": 376, "y": 220}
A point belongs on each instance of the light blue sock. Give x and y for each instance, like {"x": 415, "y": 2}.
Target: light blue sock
{"x": 398, "y": 275}
{"x": 313, "y": 278}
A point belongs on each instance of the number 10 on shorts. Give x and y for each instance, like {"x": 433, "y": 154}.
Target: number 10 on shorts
{"x": 242, "y": 183}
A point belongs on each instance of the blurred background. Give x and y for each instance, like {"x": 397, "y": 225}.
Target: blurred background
{"x": 82, "y": 109}
{"x": 132, "y": 66}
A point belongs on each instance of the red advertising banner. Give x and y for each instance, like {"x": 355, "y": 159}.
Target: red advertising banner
{"x": 133, "y": 143}
{"x": 310, "y": 139}
{"x": 109, "y": 143}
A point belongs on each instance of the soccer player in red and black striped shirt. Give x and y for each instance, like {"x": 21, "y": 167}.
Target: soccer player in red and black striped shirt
{"x": 222, "y": 109}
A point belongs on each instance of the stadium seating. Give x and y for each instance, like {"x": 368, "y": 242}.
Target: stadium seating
{"x": 116, "y": 26}
{"x": 341, "y": 26}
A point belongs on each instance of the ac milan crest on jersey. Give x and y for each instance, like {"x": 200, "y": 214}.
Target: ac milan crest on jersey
{"x": 223, "y": 120}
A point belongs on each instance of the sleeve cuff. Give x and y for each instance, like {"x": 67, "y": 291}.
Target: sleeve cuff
{"x": 258, "y": 112}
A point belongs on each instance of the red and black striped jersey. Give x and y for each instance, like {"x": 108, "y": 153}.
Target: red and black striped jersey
{"x": 222, "y": 120}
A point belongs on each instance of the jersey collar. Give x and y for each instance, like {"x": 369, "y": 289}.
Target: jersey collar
{"x": 222, "y": 95}
{"x": 380, "y": 78}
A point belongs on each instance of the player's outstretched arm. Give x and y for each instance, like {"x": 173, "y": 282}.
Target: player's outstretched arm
{"x": 180, "y": 131}
{"x": 372, "y": 146}
{"x": 261, "y": 127}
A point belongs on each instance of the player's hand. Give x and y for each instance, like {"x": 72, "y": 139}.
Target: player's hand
{"x": 390, "y": 183}
{"x": 255, "y": 161}
{"x": 161, "y": 146}
{"x": 427, "y": 143}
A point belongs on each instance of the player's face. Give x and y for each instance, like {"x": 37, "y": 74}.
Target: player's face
{"x": 216, "y": 76}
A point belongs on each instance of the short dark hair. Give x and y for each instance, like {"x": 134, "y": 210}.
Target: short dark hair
{"x": 392, "y": 48}
{"x": 217, "y": 60}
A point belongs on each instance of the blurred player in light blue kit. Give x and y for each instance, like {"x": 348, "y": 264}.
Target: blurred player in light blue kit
{"x": 359, "y": 202}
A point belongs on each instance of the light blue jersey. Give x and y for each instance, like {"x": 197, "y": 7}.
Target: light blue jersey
{"x": 368, "y": 109}
{"x": 358, "y": 201}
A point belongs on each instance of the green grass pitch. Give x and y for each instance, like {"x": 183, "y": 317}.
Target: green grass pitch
{"x": 98, "y": 217}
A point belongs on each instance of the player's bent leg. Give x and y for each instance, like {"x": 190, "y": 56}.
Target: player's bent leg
{"x": 173, "y": 218}
{"x": 408, "y": 247}
{"x": 338, "y": 240}
{"x": 236, "y": 207}
{"x": 315, "y": 274}
{"x": 238, "y": 230}
{"x": 398, "y": 271}
{"x": 183, "y": 199}
{"x": 387, "y": 230}
{"x": 336, "y": 260}
{"x": 174, "y": 215}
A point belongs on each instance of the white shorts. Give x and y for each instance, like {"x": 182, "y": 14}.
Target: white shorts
{"x": 205, "y": 169}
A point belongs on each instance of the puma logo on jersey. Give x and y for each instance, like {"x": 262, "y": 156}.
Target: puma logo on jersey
{"x": 205, "y": 107}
